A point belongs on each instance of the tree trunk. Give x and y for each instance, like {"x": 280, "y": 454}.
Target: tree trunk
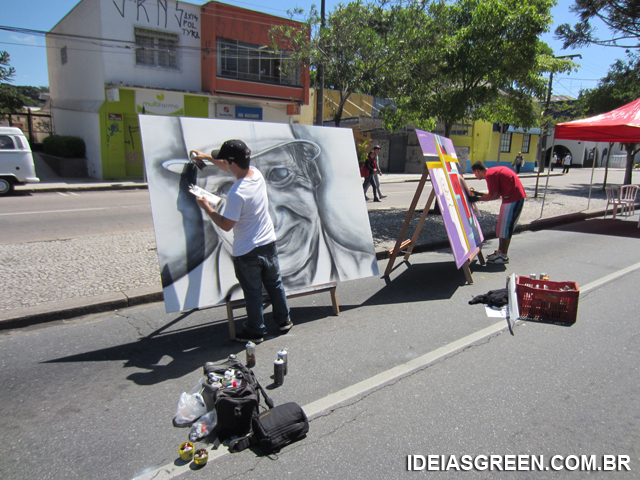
{"x": 631, "y": 153}
{"x": 337, "y": 117}
{"x": 606, "y": 167}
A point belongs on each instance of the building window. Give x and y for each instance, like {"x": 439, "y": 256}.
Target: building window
{"x": 526, "y": 142}
{"x": 63, "y": 55}
{"x": 247, "y": 61}
{"x": 156, "y": 49}
{"x": 457, "y": 129}
{"x": 505, "y": 142}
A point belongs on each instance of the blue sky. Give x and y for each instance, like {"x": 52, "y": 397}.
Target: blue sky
{"x": 28, "y": 53}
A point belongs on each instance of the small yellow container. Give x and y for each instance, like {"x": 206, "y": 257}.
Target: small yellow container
{"x": 188, "y": 454}
{"x": 201, "y": 457}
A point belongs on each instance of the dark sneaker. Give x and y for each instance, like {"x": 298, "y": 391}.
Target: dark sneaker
{"x": 245, "y": 336}
{"x": 499, "y": 259}
{"x": 286, "y": 326}
{"x": 493, "y": 255}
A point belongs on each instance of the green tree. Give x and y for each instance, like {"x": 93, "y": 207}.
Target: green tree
{"x": 473, "y": 59}
{"x": 11, "y": 100}
{"x": 621, "y": 16}
{"x": 356, "y": 44}
{"x": 620, "y": 86}
{"x": 6, "y": 72}
{"x": 616, "y": 89}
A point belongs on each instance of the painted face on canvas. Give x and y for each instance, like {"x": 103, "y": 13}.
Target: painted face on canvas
{"x": 294, "y": 212}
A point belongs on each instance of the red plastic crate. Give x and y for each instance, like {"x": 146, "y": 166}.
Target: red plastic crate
{"x": 537, "y": 303}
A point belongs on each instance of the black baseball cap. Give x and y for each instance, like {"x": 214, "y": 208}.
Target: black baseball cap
{"x": 233, "y": 151}
{"x": 377, "y": 147}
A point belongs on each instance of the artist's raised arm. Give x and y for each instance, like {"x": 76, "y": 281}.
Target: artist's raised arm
{"x": 221, "y": 164}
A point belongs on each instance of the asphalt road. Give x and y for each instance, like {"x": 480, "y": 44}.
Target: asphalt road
{"x": 429, "y": 375}
{"x": 62, "y": 215}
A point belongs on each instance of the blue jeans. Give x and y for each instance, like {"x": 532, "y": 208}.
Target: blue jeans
{"x": 260, "y": 266}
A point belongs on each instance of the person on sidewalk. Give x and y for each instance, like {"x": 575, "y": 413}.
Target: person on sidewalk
{"x": 518, "y": 162}
{"x": 566, "y": 163}
{"x": 376, "y": 177}
{"x": 255, "y": 256}
{"x": 502, "y": 183}
{"x": 371, "y": 169}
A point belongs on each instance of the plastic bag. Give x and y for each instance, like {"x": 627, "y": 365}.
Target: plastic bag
{"x": 191, "y": 406}
{"x": 203, "y": 427}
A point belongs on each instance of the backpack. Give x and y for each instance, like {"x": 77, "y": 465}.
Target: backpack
{"x": 239, "y": 417}
{"x": 234, "y": 406}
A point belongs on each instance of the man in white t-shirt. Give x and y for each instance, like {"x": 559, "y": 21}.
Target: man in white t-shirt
{"x": 255, "y": 256}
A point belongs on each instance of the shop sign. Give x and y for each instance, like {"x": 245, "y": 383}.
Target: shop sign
{"x": 239, "y": 112}
{"x": 159, "y": 103}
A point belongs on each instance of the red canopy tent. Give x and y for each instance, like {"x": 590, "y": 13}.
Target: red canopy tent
{"x": 621, "y": 125}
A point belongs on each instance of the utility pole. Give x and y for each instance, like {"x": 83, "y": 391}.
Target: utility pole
{"x": 320, "y": 79}
{"x": 542, "y": 139}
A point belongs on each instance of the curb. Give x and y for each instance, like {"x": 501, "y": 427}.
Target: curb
{"x": 76, "y": 307}
{"x": 81, "y": 187}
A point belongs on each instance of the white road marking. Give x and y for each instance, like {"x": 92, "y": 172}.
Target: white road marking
{"x": 331, "y": 401}
{"x": 53, "y": 211}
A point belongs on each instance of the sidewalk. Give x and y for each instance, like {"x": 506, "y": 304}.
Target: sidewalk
{"x": 141, "y": 283}
{"x": 50, "y": 181}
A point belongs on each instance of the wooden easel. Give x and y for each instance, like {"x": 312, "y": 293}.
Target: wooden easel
{"x": 408, "y": 245}
{"x": 299, "y": 292}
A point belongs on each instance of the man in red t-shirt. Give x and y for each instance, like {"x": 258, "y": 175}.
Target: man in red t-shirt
{"x": 503, "y": 183}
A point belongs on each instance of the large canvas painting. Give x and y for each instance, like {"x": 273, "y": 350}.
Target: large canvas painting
{"x": 463, "y": 229}
{"x": 315, "y": 202}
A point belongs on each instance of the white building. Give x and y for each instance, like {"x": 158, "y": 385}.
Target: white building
{"x": 110, "y": 60}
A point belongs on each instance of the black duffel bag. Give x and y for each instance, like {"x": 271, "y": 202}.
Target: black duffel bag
{"x": 274, "y": 429}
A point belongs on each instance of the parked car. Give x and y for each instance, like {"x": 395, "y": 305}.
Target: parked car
{"x": 16, "y": 160}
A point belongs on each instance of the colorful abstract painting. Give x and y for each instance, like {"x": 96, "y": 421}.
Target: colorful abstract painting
{"x": 463, "y": 228}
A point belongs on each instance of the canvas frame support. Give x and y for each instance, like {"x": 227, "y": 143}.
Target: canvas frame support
{"x": 407, "y": 246}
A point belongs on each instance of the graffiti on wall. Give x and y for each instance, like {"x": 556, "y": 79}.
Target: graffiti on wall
{"x": 143, "y": 11}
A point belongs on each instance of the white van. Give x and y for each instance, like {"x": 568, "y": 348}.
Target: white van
{"x": 16, "y": 160}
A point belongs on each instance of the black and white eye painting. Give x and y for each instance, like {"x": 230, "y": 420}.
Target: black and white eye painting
{"x": 315, "y": 202}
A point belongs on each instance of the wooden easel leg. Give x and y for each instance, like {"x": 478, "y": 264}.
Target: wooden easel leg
{"x": 334, "y": 301}
{"x": 232, "y": 325}
{"x": 467, "y": 272}
{"x": 407, "y": 221}
{"x": 481, "y": 258}
{"x": 423, "y": 217}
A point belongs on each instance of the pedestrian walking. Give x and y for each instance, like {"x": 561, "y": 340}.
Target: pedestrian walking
{"x": 255, "y": 256}
{"x": 566, "y": 163}
{"x": 518, "y": 162}
{"x": 371, "y": 169}
{"x": 378, "y": 174}
{"x": 502, "y": 183}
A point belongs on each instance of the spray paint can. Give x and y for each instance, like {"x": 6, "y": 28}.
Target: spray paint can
{"x": 278, "y": 372}
{"x": 282, "y": 355}
{"x": 251, "y": 354}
